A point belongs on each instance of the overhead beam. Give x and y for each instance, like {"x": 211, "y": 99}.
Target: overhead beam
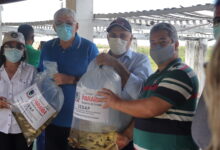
{"x": 188, "y": 24}
{"x": 157, "y": 12}
{"x": 1, "y": 8}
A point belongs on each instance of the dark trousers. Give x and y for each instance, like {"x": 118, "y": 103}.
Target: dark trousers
{"x": 130, "y": 146}
{"x": 13, "y": 142}
{"x": 56, "y": 138}
{"x": 41, "y": 141}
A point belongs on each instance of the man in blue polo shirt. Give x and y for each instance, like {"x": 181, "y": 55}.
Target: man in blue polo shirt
{"x": 72, "y": 55}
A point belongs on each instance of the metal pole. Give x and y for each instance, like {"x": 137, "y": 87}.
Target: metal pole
{"x": 1, "y": 9}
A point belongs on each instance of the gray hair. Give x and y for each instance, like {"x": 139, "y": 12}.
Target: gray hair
{"x": 65, "y": 12}
{"x": 166, "y": 27}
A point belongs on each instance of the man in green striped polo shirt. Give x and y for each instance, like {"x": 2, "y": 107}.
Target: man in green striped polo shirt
{"x": 163, "y": 114}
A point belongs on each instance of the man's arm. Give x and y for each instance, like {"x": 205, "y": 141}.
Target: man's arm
{"x": 175, "y": 89}
{"x": 140, "y": 71}
{"x": 128, "y": 132}
{"x": 132, "y": 81}
{"x": 60, "y": 79}
{"x": 108, "y": 60}
{"x": 126, "y": 136}
{"x": 122, "y": 71}
{"x": 142, "y": 108}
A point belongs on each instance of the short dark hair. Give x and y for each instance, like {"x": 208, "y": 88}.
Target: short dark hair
{"x": 3, "y": 59}
{"x": 166, "y": 27}
{"x": 26, "y": 30}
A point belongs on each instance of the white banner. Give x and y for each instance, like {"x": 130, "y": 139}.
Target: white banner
{"x": 87, "y": 107}
{"x": 33, "y": 106}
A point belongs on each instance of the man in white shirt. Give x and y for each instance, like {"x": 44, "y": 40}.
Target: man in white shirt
{"x": 134, "y": 68}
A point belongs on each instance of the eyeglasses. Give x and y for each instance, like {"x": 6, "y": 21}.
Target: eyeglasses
{"x": 162, "y": 43}
{"x": 122, "y": 36}
{"x": 60, "y": 23}
{"x": 18, "y": 46}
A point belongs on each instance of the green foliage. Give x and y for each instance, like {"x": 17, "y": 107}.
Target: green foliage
{"x": 103, "y": 48}
{"x": 182, "y": 53}
{"x": 208, "y": 53}
{"x": 146, "y": 50}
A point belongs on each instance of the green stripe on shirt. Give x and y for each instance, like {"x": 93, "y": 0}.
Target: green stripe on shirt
{"x": 157, "y": 141}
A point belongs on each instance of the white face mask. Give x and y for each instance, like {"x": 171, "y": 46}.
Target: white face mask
{"x": 13, "y": 54}
{"x": 117, "y": 45}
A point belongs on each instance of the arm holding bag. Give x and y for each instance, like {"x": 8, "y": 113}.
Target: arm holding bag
{"x": 94, "y": 127}
{"x": 37, "y": 106}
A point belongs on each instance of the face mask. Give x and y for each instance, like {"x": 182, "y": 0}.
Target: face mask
{"x": 117, "y": 45}
{"x": 13, "y": 55}
{"x": 216, "y": 31}
{"x": 64, "y": 32}
{"x": 162, "y": 54}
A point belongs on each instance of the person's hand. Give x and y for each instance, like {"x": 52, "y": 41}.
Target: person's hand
{"x": 61, "y": 79}
{"x": 105, "y": 59}
{"x": 4, "y": 103}
{"x": 107, "y": 96}
{"x": 122, "y": 141}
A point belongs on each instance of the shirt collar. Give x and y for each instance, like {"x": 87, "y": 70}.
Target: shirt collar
{"x": 127, "y": 54}
{"x": 20, "y": 67}
{"x": 76, "y": 43}
{"x": 175, "y": 61}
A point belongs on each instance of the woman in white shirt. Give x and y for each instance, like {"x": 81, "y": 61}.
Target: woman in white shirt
{"x": 15, "y": 76}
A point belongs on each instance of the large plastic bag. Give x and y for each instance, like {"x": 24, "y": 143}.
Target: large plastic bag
{"x": 50, "y": 68}
{"x": 93, "y": 127}
{"x": 37, "y": 106}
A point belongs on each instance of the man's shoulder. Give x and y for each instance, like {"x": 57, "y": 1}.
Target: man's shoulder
{"x": 138, "y": 55}
{"x": 31, "y": 49}
{"x": 85, "y": 41}
{"x": 181, "y": 67}
{"x": 181, "y": 71}
{"x": 51, "y": 42}
{"x": 49, "y": 46}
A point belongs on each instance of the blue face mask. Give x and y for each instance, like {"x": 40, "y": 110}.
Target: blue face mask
{"x": 64, "y": 32}
{"x": 13, "y": 55}
{"x": 162, "y": 54}
{"x": 216, "y": 31}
